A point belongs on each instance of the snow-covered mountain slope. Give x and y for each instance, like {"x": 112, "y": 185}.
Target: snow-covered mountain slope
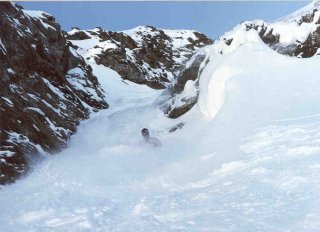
{"x": 246, "y": 159}
{"x": 46, "y": 89}
{"x": 296, "y": 35}
{"x": 144, "y": 55}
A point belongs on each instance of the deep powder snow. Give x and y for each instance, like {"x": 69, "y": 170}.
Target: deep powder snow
{"x": 247, "y": 158}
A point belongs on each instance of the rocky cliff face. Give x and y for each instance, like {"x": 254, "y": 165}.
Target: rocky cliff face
{"x": 297, "y": 35}
{"x": 46, "y": 89}
{"x": 144, "y": 55}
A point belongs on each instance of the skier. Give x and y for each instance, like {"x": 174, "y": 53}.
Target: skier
{"x": 148, "y": 139}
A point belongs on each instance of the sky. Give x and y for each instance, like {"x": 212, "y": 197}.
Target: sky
{"x": 211, "y": 18}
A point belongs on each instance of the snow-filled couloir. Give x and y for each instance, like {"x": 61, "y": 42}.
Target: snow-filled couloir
{"x": 244, "y": 158}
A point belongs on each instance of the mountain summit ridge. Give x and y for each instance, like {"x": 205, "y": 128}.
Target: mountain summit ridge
{"x": 297, "y": 35}
{"x": 144, "y": 54}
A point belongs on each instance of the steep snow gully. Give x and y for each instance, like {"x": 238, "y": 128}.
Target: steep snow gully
{"x": 247, "y": 158}
{"x": 255, "y": 166}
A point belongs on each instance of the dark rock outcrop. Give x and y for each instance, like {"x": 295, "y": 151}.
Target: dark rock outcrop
{"x": 144, "y": 55}
{"x": 179, "y": 104}
{"x": 305, "y": 49}
{"x": 310, "y": 47}
{"x": 46, "y": 89}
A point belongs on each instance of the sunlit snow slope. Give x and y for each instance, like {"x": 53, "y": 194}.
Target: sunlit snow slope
{"x": 247, "y": 158}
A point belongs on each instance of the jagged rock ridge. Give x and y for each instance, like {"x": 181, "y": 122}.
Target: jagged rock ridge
{"x": 144, "y": 55}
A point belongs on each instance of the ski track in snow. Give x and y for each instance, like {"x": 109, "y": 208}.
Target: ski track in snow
{"x": 246, "y": 170}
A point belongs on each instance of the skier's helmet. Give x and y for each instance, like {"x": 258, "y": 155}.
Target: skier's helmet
{"x": 145, "y": 132}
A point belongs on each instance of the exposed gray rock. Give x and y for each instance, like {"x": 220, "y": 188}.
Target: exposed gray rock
{"x": 144, "y": 55}
{"x": 179, "y": 104}
{"x": 46, "y": 89}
